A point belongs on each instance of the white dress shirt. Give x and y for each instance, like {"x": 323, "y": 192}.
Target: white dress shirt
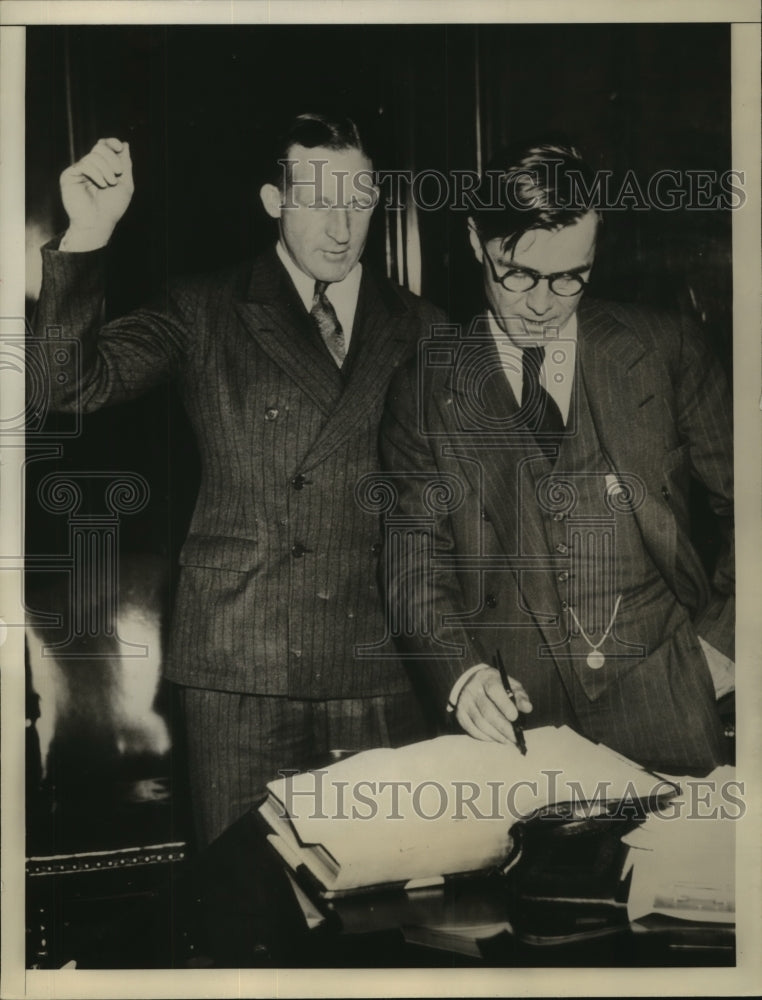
{"x": 557, "y": 372}
{"x": 342, "y": 295}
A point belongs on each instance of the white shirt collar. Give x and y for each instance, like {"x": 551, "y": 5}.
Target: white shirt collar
{"x": 557, "y": 372}
{"x": 343, "y": 295}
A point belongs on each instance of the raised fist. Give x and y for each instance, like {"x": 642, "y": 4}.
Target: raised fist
{"x": 96, "y": 191}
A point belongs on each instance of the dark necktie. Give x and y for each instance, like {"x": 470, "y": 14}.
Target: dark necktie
{"x": 539, "y": 411}
{"x": 328, "y": 323}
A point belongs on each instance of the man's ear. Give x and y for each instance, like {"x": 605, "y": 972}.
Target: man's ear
{"x": 474, "y": 240}
{"x": 272, "y": 200}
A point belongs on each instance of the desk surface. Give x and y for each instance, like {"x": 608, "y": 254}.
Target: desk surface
{"x": 564, "y": 903}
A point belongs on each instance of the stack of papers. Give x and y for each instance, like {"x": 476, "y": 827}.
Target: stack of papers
{"x": 682, "y": 859}
{"x": 440, "y": 807}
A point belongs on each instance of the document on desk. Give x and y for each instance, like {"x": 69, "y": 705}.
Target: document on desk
{"x": 441, "y": 807}
{"x": 683, "y": 858}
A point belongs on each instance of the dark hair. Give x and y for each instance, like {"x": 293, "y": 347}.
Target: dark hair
{"x": 543, "y": 185}
{"x": 311, "y": 130}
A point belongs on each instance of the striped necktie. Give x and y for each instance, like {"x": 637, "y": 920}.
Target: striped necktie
{"x": 328, "y": 324}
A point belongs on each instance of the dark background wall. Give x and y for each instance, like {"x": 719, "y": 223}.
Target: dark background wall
{"x": 197, "y": 103}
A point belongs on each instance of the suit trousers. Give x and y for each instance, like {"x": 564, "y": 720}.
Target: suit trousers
{"x": 236, "y": 743}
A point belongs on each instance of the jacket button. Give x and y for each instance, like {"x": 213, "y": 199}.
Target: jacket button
{"x": 563, "y": 549}
{"x": 271, "y": 413}
{"x": 559, "y": 516}
{"x": 485, "y": 515}
{"x": 299, "y": 482}
{"x": 298, "y": 550}
{"x": 563, "y": 577}
{"x": 491, "y": 601}
{"x": 665, "y": 493}
{"x": 376, "y": 548}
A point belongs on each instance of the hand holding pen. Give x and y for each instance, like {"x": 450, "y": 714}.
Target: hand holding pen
{"x": 489, "y": 704}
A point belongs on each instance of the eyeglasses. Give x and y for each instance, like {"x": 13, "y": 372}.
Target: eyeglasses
{"x": 524, "y": 279}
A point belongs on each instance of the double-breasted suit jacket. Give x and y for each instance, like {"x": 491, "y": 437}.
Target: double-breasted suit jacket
{"x": 660, "y": 411}
{"x": 278, "y": 583}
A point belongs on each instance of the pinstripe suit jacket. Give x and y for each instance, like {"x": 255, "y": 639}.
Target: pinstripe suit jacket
{"x": 661, "y": 409}
{"x": 279, "y": 571}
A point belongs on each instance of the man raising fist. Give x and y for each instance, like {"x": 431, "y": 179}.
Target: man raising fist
{"x": 283, "y": 365}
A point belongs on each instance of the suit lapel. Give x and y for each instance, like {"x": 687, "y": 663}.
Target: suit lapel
{"x": 625, "y": 395}
{"x": 383, "y": 335}
{"x": 480, "y": 410}
{"x": 504, "y": 470}
{"x": 274, "y": 315}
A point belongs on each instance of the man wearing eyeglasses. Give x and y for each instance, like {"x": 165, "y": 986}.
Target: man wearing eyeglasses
{"x": 564, "y": 433}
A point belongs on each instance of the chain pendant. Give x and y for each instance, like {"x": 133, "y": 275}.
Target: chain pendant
{"x": 595, "y": 659}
